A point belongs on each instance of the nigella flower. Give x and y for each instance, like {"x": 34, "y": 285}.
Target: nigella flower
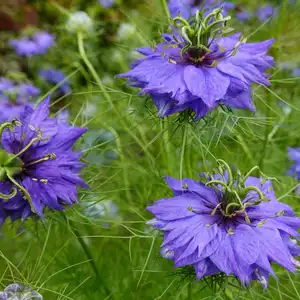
{"x": 24, "y": 47}
{"x": 188, "y": 8}
{"x": 231, "y": 224}
{"x": 296, "y": 72}
{"x": 38, "y": 167}
{"x": 198, "y": 68}
{"x": 39, "y": 43}
{"x": 13, "y": 97}
{"x": 16, "y": 291}
{"x": 55, "y": 76}
{"x": 244, "y": 15}
{"x": 294, "y": 155}
{"x": 106, "y": 3}
{"x": 44, "y": 41}
{"x": 266, "y": 11}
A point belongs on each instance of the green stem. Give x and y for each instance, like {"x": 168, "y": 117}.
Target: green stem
{"x": 87, "y": 252}
{"x": 166, "y": 146}
{"x": 190, "y": 294}
{"x": 166, "y": 9}
{"x": 182, "y": 150}
{"x": 266, "y": 140}
{"x": 106, "y": 94}
{"x": 90, "y": 67}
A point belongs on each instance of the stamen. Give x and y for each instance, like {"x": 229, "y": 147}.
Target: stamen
{"x": 280, "y": 213}
{"x": 45, "y": 181}
{"x": 215, "y": 209}
{"x": 36, "y": 139}
{"x": 31, "y": 127}
{"x": 261, "y": 223}
{"x": 46, "y": 157}
{"x": 170, "y": 60}
{"x": 230, "y": 231}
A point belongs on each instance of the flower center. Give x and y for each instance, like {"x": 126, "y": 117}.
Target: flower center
{"x": 11, "y": 165}
{"x": 235, "y": 195}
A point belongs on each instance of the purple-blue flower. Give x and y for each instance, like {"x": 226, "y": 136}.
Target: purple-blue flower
{"x": 13, "y": 97}
{"x": 296, "y": 72}
{"x": 294, "y": 155}
{"x": 38, "y": 168}
{"x": 188, "y": 8}
{"x": 232, "y": 225}
{"x": 24, "y": 47}
{"x": 187, "y": 71}
{"x": 106, "y": 3}
{"x": 39, "y": 43}
{"x": 266, "y": 11}
{"x": 44, "y": 40}
{"x": 55, "y": 77}
{"x": 244, "y": 15}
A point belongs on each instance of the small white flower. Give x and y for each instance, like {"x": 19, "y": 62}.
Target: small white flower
{"x": 80, "y": 21}
{"x": 89, "y": 110}
{"x": 105, "y": 209}
{"x": 17, "y": 291}
{"x": 125, "y": 31}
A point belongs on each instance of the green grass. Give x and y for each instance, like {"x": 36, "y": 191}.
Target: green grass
{"x": 72, "y": 256}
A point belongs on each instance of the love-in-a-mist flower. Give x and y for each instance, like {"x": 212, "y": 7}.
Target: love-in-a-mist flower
{"x": 17, "y": 291}
{"x": 198, "y": 68}
{"x": 38, "y": 43}
{"x": 13, "y": 97}
{"x": 55, "y": 76}
{"x": 294, "y": 155}
{"x": 106, "y": 3}
{"x": 229, "y": 224}
{"x": 188, "y": 8}
{"x": 244, "y": 15}
{"x": 266, "y": 11}
{"x": 38, "y": 167}
{"x": 80, "y": 21}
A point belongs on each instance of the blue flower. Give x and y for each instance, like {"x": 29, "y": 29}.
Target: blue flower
{"x": 232, "y": 225}
{"x": 244, "y": 15}
{"x": 44, "y": 41}
{"x": 38, "y": 167}
{"x": 106, "y": 3}
{"x": 13, "y": 97}
{"x": 39, "y": 43}
{"x": 296, "y": 72}
{"x": 180, "y": 74}
{"x": 294, "y": 155}
{"x": 24, "y": 47}
{"x": 266, "y": 11}
{"x": 55, "y": 77}
{"x": 188, "y": 8}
